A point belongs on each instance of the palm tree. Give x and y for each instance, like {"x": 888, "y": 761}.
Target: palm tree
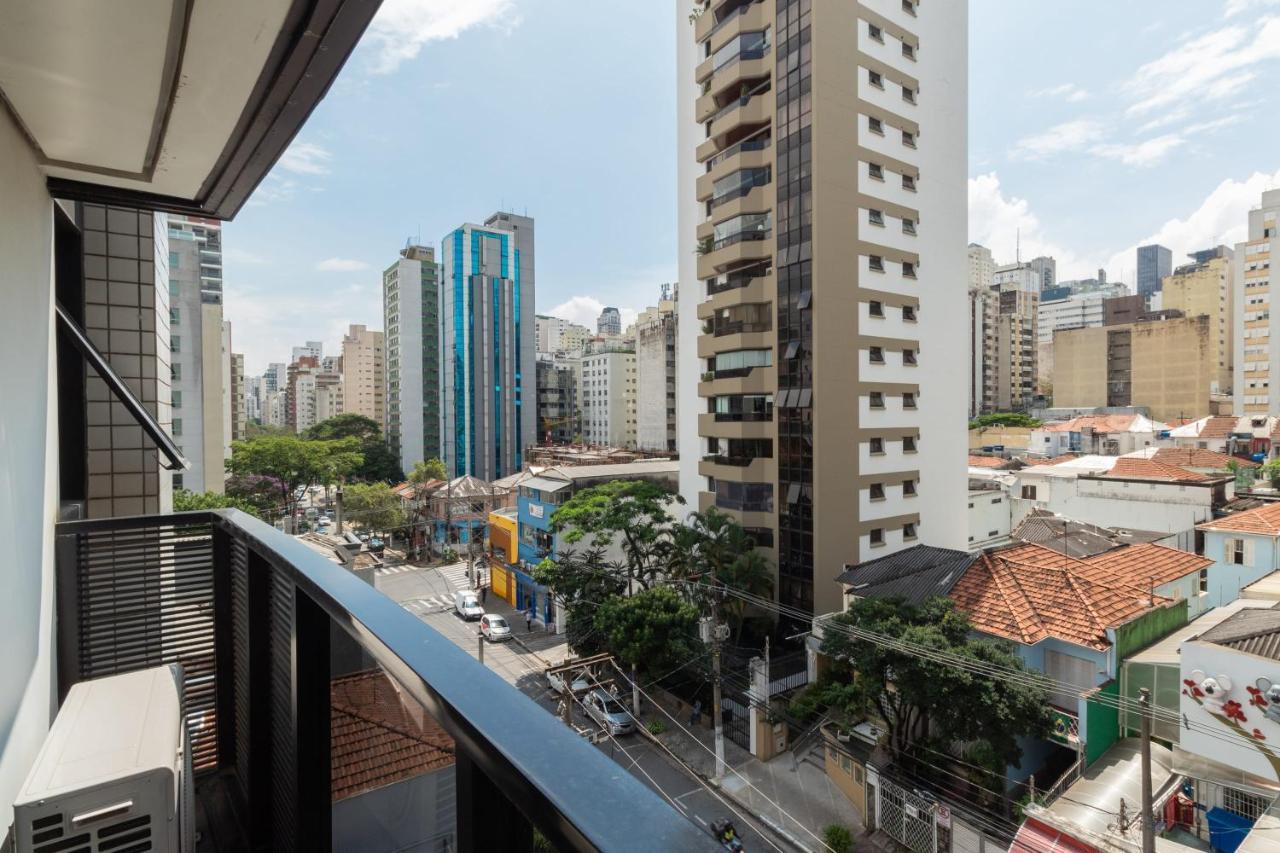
{"x": 710, "y": 541}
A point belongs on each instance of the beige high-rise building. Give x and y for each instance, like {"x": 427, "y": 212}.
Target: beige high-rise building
{"x": 1168, "y": 366}
{"x": 239, "y": 415}
{"x": 982, "y": 267}
{"x": 1203, "y": 288}
{"x": 1257, "y": 357}
{"x": 655, "y": 331}
{"x": 364, "y": 373}
{"x": 825, "y": 149}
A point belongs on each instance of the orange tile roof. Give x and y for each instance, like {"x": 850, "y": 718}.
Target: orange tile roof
{"x": 1051, "y": 460}
{"x": 1265, "y": 519}
{"x": 1198, "y": 457}
{"x": 1219, "y": 426}
{"x": 375, "y": 740}
{"x": 986, "y": 461}
{"x": 1149, "y": 469}
{"x": 1099, "y": 423}
{"x": 1144, "y": 564}
{"x": 1029, "y": 593}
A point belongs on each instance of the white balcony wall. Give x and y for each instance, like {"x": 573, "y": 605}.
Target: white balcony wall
{"x": 28, "y": 459}
{"x": 892, "y": 9}
{"x": 892, "y": 461}
{"x": 893, "y": 370}
{"x": 892, "y": 415}
{"x": 889, "y": 51}
{"x": 887, "y": 97}
{"x": 890, "y": 234}
{"x": 891, "y": 325}
{"x": 891, "y": 280}
{"x": 889, "y": 143}
{"x": 893, "y": 542}
{"x": 893, "y": 505}
{"x": 890, "y": 189}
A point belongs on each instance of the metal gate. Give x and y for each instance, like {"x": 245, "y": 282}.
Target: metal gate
{"x": 737, "y": 719}
{"x": 907, "y": 817}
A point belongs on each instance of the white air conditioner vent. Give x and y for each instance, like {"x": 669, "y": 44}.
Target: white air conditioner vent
{"x": 114, "y": 774}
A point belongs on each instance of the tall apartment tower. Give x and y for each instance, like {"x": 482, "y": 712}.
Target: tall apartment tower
{"x": 196, "y": 351}
{"x": 655, "y": 402}
{"x": 1047, "y": 269}
{"x": 1203, "y": 288}
{"x": 982, "y": 266}
{"x": 488, "y": 409}
{"x": 829, "y": 235}
{"x": 609, "y": 323}
{"x": 1154, "y": 263}
{"x": 411, "y": 317}
{"x": 364, "y": 373}
{"x": 1257, "y": 327}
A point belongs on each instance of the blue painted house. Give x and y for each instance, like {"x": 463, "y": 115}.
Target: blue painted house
{"x": 1244, "y": 547}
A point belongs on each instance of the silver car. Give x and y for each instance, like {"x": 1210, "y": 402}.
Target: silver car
{"x": 555, "y": 680}
{"x": 608, "y": 712}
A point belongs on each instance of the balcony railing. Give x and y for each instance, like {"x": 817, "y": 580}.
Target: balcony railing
{"x": 755, "y": 143}
{"x": 742, "y": 237}
{"x": 732, "y": 16}
{"x": 304, "y": 687}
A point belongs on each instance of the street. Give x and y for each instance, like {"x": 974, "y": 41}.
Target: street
{"x": 428, "y": 593}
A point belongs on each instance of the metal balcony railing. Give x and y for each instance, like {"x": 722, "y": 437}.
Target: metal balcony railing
{"x": 276, "y": 643}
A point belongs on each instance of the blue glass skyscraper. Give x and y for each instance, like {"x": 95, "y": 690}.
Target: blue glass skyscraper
{"x": 487, "y": 347}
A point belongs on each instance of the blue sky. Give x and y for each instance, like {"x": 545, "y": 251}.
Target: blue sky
{"x": 1091, "y": 139}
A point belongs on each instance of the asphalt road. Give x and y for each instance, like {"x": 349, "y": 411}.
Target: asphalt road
{"x": 428, "y": 592}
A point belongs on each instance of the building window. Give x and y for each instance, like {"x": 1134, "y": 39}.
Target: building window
{"x": 177, "y": 482}
{"x": 908, "y": 356}
{"x": 876, "y": 171}
{"x": 176, "y": 399}
{"x": 909, "y": 444}
{"x": 909, "y": 313}
{"x": 876, "y": 217}
{"x": 876, "y": 263}
{"x": 908, "y": 139}
{"x": 175, "y": 343}
{"x": 908, "y": 269}
{"x": 1235, "y": 552}
{"x": 877, "y": 491}
{"x": 875, "y": 79}
{"x": 877, "y": 355}
{"x": 908, "y": 226}
{"x": 875, "y": 308}
{"x": 908, "y": 400}
{"x": 1028, "y": 493}
{"x": 908, "y": 95}
{"x": 875, "y": 33}
{"x": 875, "y": 125}
{"x": 909, "y": 6}
{"x": 908, "y": 183}
{"x": 908, "y": 51}
{"x": 877, "y": 536}
{"x": 908, "y": 487}
{"x": 175, "y": 372}
{"x": 174, "y": 316}
{"x": 1204, "y": 580}
{"x": 877, "y": 446}
{"x": 877, "y": 399}
{"x": 177, "y": 427}
{"x": 909, "y": 530}
{"x": 173, "y": 265}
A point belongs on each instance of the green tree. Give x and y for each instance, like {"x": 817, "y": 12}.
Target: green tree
{"x": 293, "y": 462}
{"x": 713, "y": 540}
{"x": 581, "y": 579}
{"x": 1010, "y": 419}
{"x": 917, "y": 696}
{"x": 373, "y": 505}
{"x": 253, "y": 429}
{"x": 634, "y": 510}
{"x": 185, "y": 501}
{"x": 1271, "y": 470}
{"x": 430, "y": 469}
{"x": 651, "y": 631}
{"x": 838, "y": 838}
{"x": 378, "y": 463}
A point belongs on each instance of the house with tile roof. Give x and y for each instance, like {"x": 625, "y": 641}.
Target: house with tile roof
{"x": 1108, "y": 435}
{"x": 1244, "y": 547}
{"x": 1248, "y": 436}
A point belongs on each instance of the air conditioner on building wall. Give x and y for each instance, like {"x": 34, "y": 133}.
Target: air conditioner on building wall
{"x": 114, "y": 773}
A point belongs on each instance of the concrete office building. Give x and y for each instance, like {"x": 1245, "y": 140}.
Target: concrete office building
{"x": 1021, "y": 276}
{"x": 608, "y": 398}
{"x": 364, "y": 374}
{"x": 239, "y": 398}
{"x": 982, "y": 266}
{"x": 1257, "y": 355}
{"x": 655, "y": 403}
{"x": 555, "y": 334}
{"x": 1047, "y": 269}
{"x": 311, "y": 349}
{"x": 1203, "y": 288}
{"x": 983, "y": 343}
{"x": 488, "y": 412}
{"x": 411, "y": 318}
{"x": 1167, "y": 366}
{"x": 1154, "y": 263}
{"x": 558, "y": 412}
{"x": 609, "y": 323}
{"x": 826, "y": 157}
{"x": 196, "y": 352}
{"x": 1083, "y": 311}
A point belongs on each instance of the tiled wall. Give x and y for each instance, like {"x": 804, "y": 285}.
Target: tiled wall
{"x": 126, "y": 257}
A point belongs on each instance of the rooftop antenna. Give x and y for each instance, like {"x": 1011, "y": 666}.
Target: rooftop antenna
{"x": 1017, "y": 251}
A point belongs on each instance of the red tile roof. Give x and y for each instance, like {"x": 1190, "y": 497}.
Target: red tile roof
{"x": 1198, "y": 457}
{"x": 1265, "y": 519}
{"x": 1099, "y": 423}
{"x": 1051, "y": 460}
{"x": 1135, "y": 468}
{"x": 1144, "y": 565}
{"x": 1029, "y": 593}
{"x": 377, "y": 740}
{"x": 986, "y": 461}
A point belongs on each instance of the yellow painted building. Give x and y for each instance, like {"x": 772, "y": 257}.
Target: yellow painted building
{"x": 1167, "y": 366}
{"x": 1204, "y": 289}
{"x": 504, "y": 540}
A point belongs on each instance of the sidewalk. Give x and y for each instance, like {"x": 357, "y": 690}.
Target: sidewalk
{"x": 794, "y": 798}
{"x": 548, "y": 648}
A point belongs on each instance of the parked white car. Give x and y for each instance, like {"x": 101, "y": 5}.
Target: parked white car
{"x": 555, "y": 680}
{"x": 494, "y": 628}
{"x": 466, "y": 604}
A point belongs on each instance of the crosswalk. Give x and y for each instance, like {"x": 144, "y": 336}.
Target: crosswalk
{"x": 383, "y": 571}
{"x": 456, "y": 575}
{"x": 428, "y": 604}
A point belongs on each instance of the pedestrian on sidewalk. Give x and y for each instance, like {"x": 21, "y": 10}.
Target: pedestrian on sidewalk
{"x": 528, "y": 621}
{"x": 696, "y": 717}
{"x": 484, "y": 595}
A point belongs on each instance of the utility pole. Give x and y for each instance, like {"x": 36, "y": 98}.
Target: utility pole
{"x": 1148, "y": 831}
{"x": 716, "y": 708}
{"x": 337, "y": 503}
{"x": 480, "y": 639}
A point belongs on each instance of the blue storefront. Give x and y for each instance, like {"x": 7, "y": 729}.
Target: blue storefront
{"x": 539, "y": 498}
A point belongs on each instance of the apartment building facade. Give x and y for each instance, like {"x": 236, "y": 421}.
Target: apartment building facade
{"x": 364, "y": 374}
{"x": 1257, "y": 356}
{"x": 488, "y": 413}
{"x": 196, "y": 351}
{"x": 411, "y": 319}
{"x": 558, "y": 411}
{"x": 239, "y": 398}
{"x": 825, "y": 275}
{"x": 608, "y": 397}
{"x": 656, "y": 330}
{"x": 559, "y": 335}
{"x": 1203, "y": 288}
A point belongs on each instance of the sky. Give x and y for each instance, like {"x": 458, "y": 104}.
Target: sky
{"x": 1085, "y": 140}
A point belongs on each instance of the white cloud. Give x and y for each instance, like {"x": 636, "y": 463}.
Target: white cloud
{"x": 1221, "y": 218}
{"x": 1236, "y": 7}
{"x": 273, "y": 189}
{"x": 1147, "y": 153}
{"x": 402, "y": 27}
{"x": 341, "y": 265}
{"x": 1001, "y": 222}
{"x": 1068, "y": 136}
{"x": 585, "y": 310}
{"x": 1069, "y": 92}
{"x": 306, "y": 158}
{"x": 1214, "y": 65}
